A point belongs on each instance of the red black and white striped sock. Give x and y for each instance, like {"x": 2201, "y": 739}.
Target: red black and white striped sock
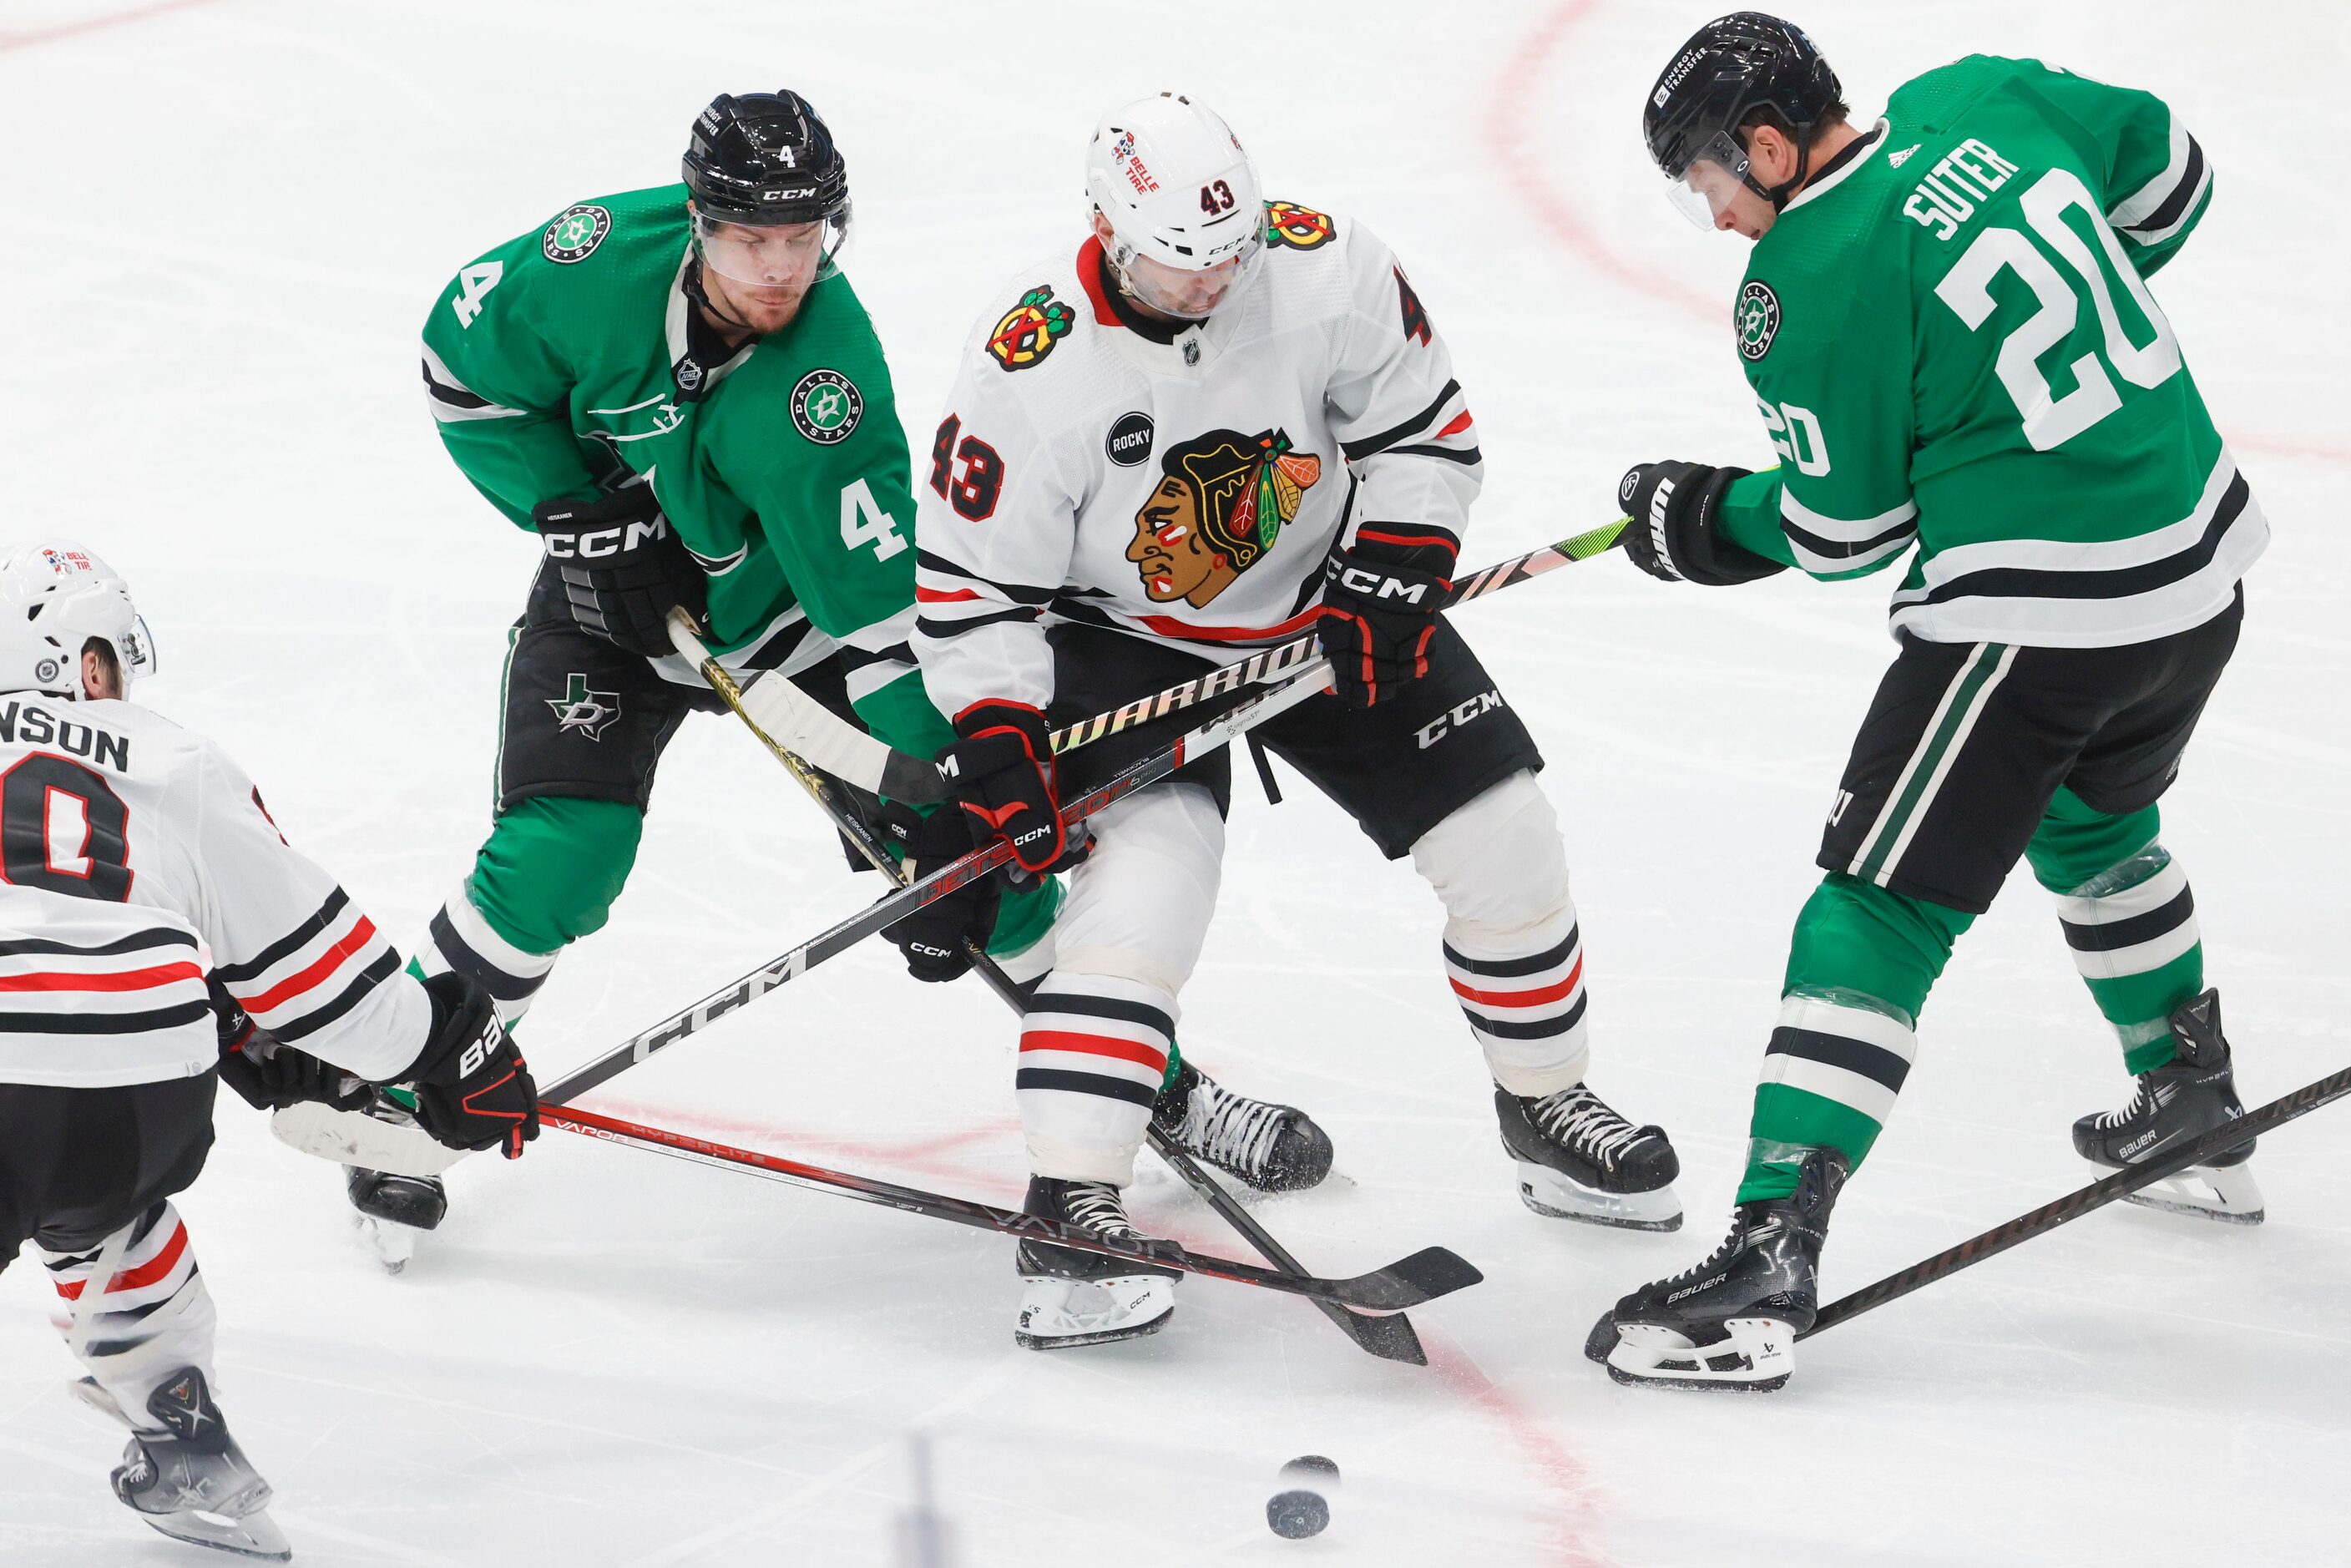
{"x": 1525, "y": 1007}
{"x": 1093, "y": 1054}
{"x": 151, "y": 1317}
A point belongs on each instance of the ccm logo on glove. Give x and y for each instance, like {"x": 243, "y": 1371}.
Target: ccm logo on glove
{"x": 603, "y": 541}
{"x": 1374, "y": 585}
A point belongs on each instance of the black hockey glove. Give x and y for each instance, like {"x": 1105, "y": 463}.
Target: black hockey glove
{"x": 271, "y": 1076}
{"x": 472, "y": 1089}
{"x": 622, "y": 567}
{"x": 1380, "y": 599}
{"x": 1002, "y": 774}
{"x": 1674, "y": 534}
{"x": 933, "y": 937}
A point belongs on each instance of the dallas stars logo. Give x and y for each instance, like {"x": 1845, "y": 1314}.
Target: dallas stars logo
{"x": 1756, "y": 319}
{"x": 582, "y": 711}
{"x": 826, "y": 407}
{"x": 575, "y": 236}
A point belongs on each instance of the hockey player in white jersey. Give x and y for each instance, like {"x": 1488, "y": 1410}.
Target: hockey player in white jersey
{"x": 137, "y": 858}
{"x": 1209, "y": 424}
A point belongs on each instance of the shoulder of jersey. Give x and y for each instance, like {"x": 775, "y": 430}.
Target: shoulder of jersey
{"x": 597, "y": 237}
{"x": 1037, "y": 311}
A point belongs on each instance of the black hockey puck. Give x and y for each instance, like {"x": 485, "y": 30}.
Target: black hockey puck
{"x": 1301, "y": 1509}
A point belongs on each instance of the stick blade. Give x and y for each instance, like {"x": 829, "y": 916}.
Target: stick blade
{"x": 1391, "y": 1337}
{"x": 1431, "y": 1272}
{"x": 350, "y": 1138}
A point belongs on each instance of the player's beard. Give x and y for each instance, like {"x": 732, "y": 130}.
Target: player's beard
{"x": 746, "y": 307}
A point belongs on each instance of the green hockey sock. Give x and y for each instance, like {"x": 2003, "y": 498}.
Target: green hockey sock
{"x": 1859, "y": 969}
{"x": 2128, "y": 917}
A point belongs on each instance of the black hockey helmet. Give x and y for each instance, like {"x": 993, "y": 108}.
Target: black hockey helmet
{"x": 766, "y": 158}
{"x": 1729, "y": 68}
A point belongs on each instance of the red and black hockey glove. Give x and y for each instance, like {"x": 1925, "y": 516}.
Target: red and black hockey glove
{"x": 1380, "y": 599}
{"x": 1001, "y": 771}
{"x": 472, "y": 1089}
{"x": 271, "y": 1076}
{"x": 931, "y": 938}
{"x": 1676, "y": 534}
{"x": 621, "y": 567}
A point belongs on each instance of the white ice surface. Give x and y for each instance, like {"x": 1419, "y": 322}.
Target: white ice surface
{"x": 225, "y": 221}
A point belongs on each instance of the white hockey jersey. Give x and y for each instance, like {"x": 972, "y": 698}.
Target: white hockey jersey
{"x": 135, "y": 855}
{"x": 1187, "y": 490}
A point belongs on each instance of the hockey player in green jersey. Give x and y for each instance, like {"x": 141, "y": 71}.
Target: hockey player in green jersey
{"x": 1946, "y": 324}
{"x": 677, "y": 390}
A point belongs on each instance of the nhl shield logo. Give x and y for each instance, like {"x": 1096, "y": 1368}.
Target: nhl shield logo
{"x": 575, "y": 236}
{"x": 1756, "y": 318}
{"x": 826, "y": 407}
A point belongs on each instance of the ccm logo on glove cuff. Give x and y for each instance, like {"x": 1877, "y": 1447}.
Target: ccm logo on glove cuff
{"x": 600, "y": 542}
{"x": 1374, "y": 585}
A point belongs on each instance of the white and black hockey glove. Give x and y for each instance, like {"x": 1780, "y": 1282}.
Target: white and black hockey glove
{"x": 622, "y": 567}
{"x": 1674, "y": 534}
{"x": 931, "y": 938}
{"x": 1381, "y": 596}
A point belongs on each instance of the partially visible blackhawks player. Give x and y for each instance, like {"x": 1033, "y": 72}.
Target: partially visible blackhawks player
{"x": 157, "y": 937}
{"x": 1208, "y": 426}
{"x": 679, "y": 391}
{"x": 1946, "y": 324}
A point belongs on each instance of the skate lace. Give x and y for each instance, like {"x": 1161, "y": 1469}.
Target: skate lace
{"x": 1578, "y": 1116}
{"x": 1230, "y": 1129}
{"x": 1096, "y": 1206}
{"x": 2142, "y": 1100}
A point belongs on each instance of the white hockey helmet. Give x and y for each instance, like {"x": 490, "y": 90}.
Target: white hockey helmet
{"x": 54, "y": 596}
{"x": 1186, "y": 213}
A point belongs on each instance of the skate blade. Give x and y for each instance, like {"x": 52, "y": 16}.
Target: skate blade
{"x": 1756, "y": 1356}
{"x": 254, "y": 1535}
{"x": 1557, "y": 1196}
{"x": 2226, "y": 1193}
{"x": 1064, "y": 1314}
{"x": 392, "y": 1244}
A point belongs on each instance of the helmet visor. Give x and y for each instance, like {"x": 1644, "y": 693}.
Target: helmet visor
{"x": 138, "y": 651}
{"x": 1192, "y": 295}
{"x": 1715, "y": 174}
{"x": 773, "y": 255}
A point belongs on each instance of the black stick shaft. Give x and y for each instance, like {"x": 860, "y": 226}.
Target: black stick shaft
{"x": 2074, "y": 1205}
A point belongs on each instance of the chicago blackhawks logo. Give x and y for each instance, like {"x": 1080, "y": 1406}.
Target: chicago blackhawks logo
{"x": 1299, "y": 228}
{"x": 826, "y": 407}
{"x": 1218, "y": 509}
{"x": 575, "y": 236}
{"x": 1756, "y": 318}
{"x": 579, "y": 711}
{"x": 1030, "y": 329}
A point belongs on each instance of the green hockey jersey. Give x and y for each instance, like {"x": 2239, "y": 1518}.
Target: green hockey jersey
{"x": 1952, "y": 342}
{"x": 569, "y": 357}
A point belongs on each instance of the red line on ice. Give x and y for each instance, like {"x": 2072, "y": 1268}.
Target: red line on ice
{"x": 1551, "y": 1459}
{"x": 9, "y": 41}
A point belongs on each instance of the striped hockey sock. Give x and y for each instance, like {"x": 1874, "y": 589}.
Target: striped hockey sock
{"x": 458, "y": 937}
{"x": 1525, "y": 1009}
{"x": 2132, "y": 931}
{"x": 1093, "y": 1052}
{"x": 152, "y": 1316}
{"x": 1829, "y": 1077}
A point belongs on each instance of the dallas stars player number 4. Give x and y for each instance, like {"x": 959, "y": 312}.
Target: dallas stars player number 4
{"x": 1947, "y": 327}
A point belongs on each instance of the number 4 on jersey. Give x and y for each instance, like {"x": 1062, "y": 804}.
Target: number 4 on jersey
{"x": 472, "y": 284}
{"x": 863, "y": 522}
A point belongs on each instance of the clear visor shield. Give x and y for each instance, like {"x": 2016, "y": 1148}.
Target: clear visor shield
{"x": 772, "y": 256}
{"x": 1193, "y": 296}
{"x": 138, "y": 651}
{"x": 1713, "y": 177}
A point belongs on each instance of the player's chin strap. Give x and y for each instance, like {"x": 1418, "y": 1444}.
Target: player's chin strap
{"x": 1781, "y": 194}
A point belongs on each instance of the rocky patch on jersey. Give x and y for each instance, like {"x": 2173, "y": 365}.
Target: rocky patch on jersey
{"x": 826, "y": 407}
{"x": 1218, "y": 506}
{"x": 575, "y": 236}
{"x": 1129, "y": 441}
{"x": 579, "y": 711}
{"x": 1756, "y": 318}
{"x": 1299, "y": 228}
{"x": 1027, "y": 331}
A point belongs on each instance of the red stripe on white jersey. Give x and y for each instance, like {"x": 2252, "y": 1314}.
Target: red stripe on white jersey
{"x": 121, "y": 980}
{"x": 315, "y": 975}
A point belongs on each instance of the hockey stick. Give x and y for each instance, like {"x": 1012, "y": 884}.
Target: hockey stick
{"x": 354, "y": 1139}
{"x": 2074, "y": 1205}
{"x": 1277, "y": 661}
{"x": 1392, "y": 1338}
{"x": 1408, "y": 1282}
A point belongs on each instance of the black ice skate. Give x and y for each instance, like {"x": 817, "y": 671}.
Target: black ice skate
{"x": 2182, "y": 1100}
{"x": 393, "y": 1209}
{"x": 1273, "y": 1148}
{"x": 1077, "y": 1298}
{"x": 1579, "y": 1160}
{"x": 191, "y": 1480}
{"x": 1732, "y": 1322}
